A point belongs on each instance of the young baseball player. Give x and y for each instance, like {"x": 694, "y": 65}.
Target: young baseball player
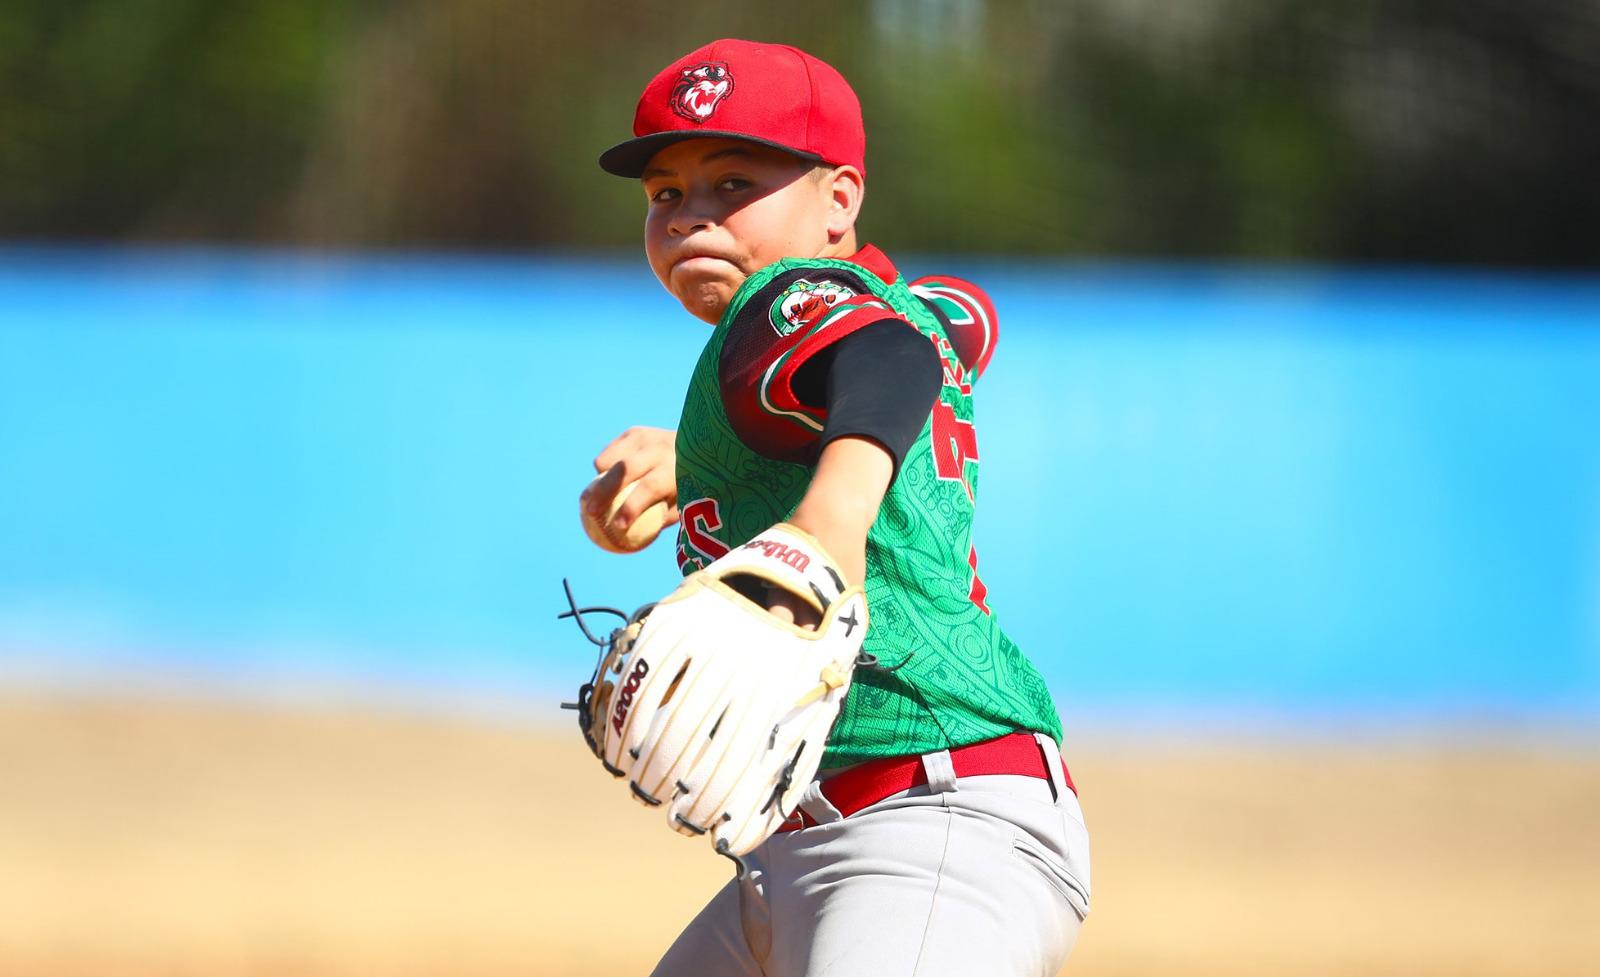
{"x": 826, "y": 447}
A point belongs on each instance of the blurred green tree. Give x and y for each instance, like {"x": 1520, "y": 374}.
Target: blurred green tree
{"x": 1421, "y": 130}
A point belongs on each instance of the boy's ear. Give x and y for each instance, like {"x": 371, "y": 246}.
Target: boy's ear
{"x": 846, "y": 187}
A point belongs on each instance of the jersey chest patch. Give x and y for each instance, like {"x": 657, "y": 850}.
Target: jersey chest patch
{"x": 804, "y": 302}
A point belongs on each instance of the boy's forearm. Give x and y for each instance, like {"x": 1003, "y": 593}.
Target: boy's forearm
{"x": 842, "y": 502}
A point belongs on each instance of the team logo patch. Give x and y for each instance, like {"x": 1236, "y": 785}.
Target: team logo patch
{"x": 804, "y": 302}
{"x": 700, "y": 90}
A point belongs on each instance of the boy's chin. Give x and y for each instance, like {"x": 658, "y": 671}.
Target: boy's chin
{"x": 707, "y": 301}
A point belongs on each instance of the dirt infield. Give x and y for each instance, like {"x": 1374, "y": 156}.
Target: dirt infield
{"x": 144, "y": 838}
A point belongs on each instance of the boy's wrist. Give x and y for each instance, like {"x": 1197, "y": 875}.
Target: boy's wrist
{"x": 842, "y": 503}
{"x": 843, "y": 539}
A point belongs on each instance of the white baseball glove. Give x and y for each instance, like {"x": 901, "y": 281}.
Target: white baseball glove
{"x": 715, "y": 709}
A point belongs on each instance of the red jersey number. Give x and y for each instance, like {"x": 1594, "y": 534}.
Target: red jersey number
{"x": 700, "y": 519}
{"x": 954, "y": 444}
{"x": 977, "y": 593}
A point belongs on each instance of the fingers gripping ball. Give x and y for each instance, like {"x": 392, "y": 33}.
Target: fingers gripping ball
{"x": 604, "y": 531}
{"x": 717, "y": 711}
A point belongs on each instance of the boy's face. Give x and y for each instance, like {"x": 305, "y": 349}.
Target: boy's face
{"x": 720, "y": 210}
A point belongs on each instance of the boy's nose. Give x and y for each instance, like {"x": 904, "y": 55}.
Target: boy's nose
{"x": 689, "y": 224}
{"x": 697, "y": 211}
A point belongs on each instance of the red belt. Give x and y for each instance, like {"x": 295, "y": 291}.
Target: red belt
{"x": 1018, "y": 755}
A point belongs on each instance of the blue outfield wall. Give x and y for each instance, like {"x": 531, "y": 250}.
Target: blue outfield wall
{"x": 1200, "y": 487}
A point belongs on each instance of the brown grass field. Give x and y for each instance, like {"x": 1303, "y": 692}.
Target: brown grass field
{"x": 185, "y": 838}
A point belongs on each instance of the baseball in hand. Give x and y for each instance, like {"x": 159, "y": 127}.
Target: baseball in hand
{"x": 639, "y": 533}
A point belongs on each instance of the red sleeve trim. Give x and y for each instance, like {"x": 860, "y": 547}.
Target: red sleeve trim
{"x": 777, "y": 391}
{"x": 974, "y": 325}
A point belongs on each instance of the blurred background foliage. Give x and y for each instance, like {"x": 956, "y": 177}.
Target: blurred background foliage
{"x": 1461, "y": 131}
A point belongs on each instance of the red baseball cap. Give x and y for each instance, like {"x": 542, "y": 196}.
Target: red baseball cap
{"x": 771, "y": 94}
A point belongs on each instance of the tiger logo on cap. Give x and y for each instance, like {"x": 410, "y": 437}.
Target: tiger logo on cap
{"x": 700, "y": 90}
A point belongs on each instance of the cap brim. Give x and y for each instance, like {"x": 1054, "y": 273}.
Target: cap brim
{"x": 630, "y": 158}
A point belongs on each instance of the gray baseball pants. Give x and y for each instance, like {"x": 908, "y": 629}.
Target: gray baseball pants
{"x": 964, "y": 877}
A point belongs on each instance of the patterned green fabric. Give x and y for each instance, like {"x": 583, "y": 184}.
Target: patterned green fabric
{"x": 957, "y": 677}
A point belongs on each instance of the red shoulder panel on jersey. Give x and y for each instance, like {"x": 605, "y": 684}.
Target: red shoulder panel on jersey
{"x": 969, "y": 318}
{"x": 875, "y": 261}
{"x": 777, "y": 331}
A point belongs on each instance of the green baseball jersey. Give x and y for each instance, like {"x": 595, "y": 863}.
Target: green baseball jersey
{"x": 746, "y": 446}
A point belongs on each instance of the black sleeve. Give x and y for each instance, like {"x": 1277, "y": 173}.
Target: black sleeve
{"x": 879, "y": 382}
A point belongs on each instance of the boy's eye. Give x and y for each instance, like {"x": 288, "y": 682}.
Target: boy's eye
{"x": 733, "y": 183}
{"x": 663, "y": 195}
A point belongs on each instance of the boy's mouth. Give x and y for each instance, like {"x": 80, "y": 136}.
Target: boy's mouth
{"x": 690, "y": 257}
